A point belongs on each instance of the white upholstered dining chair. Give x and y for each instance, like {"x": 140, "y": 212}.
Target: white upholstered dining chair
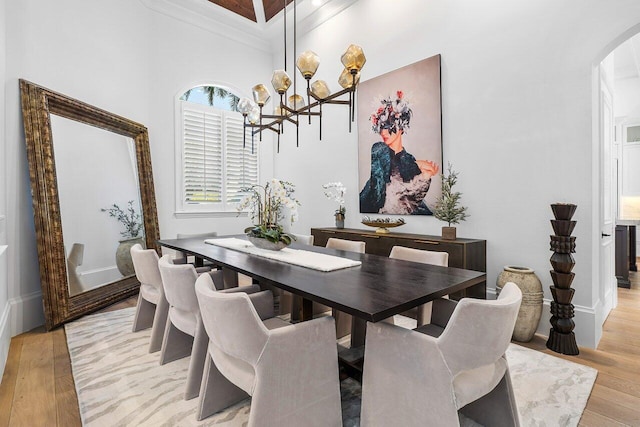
{"x": 303, "y": 239}
{"x": 152, "y": 307}
{"x": 458, "y": 367}
{"x": 346, "y": 245}
{"x": 290, "y": 371}
{"x": 423, "y": 314}
{"x": 74, "y": 260}
{"x": 184, "y": 334}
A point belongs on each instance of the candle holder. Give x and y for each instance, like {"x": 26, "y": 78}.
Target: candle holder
{"x": 561, "y": 337}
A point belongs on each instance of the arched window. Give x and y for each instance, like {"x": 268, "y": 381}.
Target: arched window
{"x": 213, "y": 166}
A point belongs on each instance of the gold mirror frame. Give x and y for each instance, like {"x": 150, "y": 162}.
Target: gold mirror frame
{"x": 38, "y": 103}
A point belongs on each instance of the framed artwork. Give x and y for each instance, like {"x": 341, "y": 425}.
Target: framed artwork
{"x": 400, "y": 140}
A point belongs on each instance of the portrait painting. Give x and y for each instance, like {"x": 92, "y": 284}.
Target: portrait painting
{"x": 400, "y": 140}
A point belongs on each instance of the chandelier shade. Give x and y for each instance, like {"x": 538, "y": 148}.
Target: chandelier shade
{"x": 348, "y": 80}
{"x": 320, "y": 89}
{"x": 353, "y": 58}
{"x": 254, "y": 115}
{"x": 261, "y": 94}
{"x": 296, "y": 102}
{"x": 280, "y": 81}
{"x": 245, "y": 105}
{"x": 308, "y": 63}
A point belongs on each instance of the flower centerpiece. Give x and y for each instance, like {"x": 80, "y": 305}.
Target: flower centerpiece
{"x": 448, "y": 208}
{"x": 335, "y": 191}
{"x": 266, "y": 204}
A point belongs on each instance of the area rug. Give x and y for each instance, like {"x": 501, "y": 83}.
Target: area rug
{"x": 120, "y": 384}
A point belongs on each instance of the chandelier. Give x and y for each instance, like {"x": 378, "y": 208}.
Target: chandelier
{"x": 291, "y": 108}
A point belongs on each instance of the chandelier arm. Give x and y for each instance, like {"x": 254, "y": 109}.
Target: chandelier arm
{"x": 320, "y": 124}
{"x": 260, "y": 125}
{"x": 295, "y": 40}
{"x": 259, "y": 128}
{"x": 308, "y": 98}
{"x": 350, "y": 101}
{"x": 244, "y": 134}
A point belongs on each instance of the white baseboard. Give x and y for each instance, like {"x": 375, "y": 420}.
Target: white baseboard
{"x": 26, "y": 313}
{"x": 5, "y": 336}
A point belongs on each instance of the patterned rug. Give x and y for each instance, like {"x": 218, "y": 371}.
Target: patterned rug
{"x": 120, "y": 384}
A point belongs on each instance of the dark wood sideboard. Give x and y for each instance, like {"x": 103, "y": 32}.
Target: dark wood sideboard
{"x": 470, "y": 254}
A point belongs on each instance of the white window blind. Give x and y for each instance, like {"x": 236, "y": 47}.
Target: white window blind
{"x": 215, "y": 166}
{"x": 241, "y": 163}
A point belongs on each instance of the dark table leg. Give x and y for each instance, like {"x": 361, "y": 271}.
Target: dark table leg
{"x": 296, "y": 307}
{"x": 358, "y": 332}
{"x": 632, "y": 248}
{"x": 307, "y": 309}
{"x": 198, "y": 262}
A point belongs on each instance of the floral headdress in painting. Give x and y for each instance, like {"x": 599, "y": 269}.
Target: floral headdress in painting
{"x": 393, "y": 114}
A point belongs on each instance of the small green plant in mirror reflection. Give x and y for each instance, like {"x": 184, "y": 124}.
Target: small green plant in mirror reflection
{"x": 131, "y": 219}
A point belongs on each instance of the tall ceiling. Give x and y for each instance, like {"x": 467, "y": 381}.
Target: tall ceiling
{"x": 257, "y": 23}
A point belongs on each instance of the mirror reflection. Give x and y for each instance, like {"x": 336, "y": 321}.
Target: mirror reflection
{"x": 97, "y": 182}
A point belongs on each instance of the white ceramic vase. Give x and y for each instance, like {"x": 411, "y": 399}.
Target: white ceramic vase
{"x": 123, "y": 255}
{"x": 531, "y": 307}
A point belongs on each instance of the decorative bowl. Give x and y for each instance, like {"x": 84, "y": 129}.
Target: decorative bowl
{"x": 381, "y": 226}
{"x": 261, "y": 243}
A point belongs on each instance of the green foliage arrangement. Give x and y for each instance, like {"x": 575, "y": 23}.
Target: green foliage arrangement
{"x": 447, "y": 206}
{"x": 131, "y": 219}
{"x": 272, "y": 233}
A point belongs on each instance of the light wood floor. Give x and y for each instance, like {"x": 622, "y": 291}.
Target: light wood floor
{"x": 37, "y": 386}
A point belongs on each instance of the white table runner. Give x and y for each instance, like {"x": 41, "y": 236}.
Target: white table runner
{"x": 308, "y": 259}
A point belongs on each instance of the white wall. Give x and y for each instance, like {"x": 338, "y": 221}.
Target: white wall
{"x": 182, "y": 57}
{"x": 517, "y": 120}
{"x": 5, "y": 330}
{"x": 125, "y": 58}
{"x": 90, "y": 50}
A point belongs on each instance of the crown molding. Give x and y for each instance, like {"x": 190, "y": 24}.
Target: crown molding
{"x": 214, "y": 19}
{"x": 260, "y": 35}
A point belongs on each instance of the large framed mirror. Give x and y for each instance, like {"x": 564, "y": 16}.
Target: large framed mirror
{"x": 93, "y": 198}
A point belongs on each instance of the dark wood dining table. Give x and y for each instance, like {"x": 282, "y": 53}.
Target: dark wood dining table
{"x": 377, "y": 289}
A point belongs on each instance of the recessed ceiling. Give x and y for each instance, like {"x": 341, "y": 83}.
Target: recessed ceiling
{"x": 247, "y": 8}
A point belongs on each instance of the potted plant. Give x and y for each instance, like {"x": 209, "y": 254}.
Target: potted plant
{"x": 132, "y": 222}
{"x": 266, "y": 204}
{"x": 335, "y": 191}
{"x": 448, "y": 208}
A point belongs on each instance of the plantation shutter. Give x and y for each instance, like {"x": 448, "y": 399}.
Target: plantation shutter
{"x": 241, "y": 163}
{"x": 202, "y": 155}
